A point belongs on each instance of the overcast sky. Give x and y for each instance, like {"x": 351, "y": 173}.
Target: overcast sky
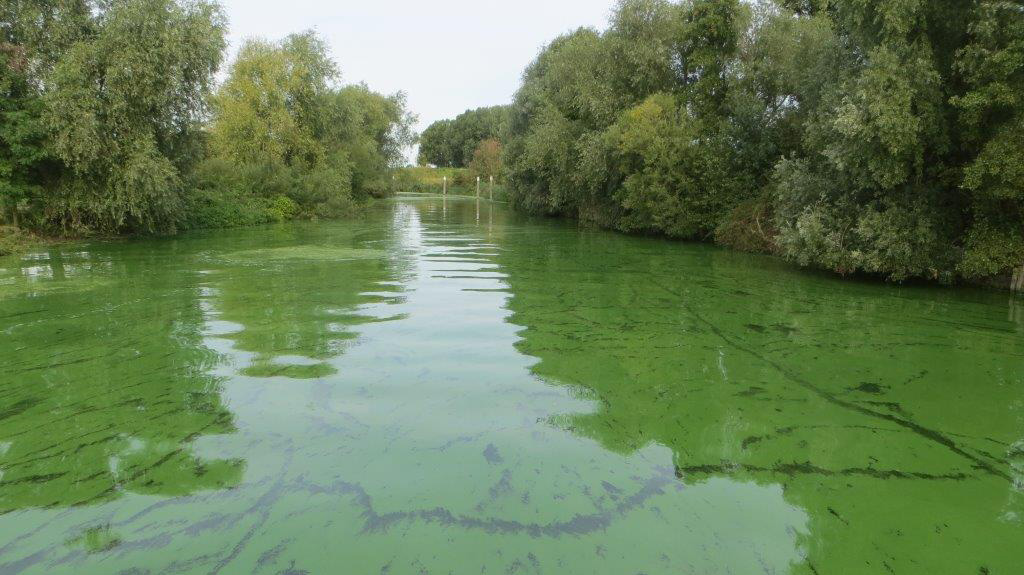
{"x": 447, "y": 55}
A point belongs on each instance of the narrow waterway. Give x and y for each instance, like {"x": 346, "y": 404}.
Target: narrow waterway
{"x": 447, "y": 387}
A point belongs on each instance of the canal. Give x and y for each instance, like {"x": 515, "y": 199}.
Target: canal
{"x": 444, "y": 386}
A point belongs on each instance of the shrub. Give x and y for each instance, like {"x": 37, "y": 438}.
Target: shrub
{"x": 749, "y": 227}
{"x": 14, "y": 240}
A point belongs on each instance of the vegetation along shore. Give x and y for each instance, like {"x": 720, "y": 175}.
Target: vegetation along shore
{"x": 856, "y": 137}
{"x": 842, "y": 136}
{"x": 113, "y": 123}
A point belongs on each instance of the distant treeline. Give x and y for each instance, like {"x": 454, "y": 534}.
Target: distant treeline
{"x": 471, "y": 140}
{"x": 111, "y": 122}
{"x": 869, "y": 136}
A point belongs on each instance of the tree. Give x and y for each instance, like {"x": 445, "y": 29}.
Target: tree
{"x": 451, "y": 143}
{"x": 487, "y": 160}
{"x": 435, "y": 145}
{"x": 859, "y": 137}
{"x": 33, "y": 35}
{"x": 628, "y": 127}
{"x": 373, "y": 131}
{"x": 123, "y": 108}
{"x": 269, "y": 109}
{"x": 105, "y": 121}
{"x": 992, "y": 117}
{"x": 23, "y": 153}
{"x": 295, "y": 138}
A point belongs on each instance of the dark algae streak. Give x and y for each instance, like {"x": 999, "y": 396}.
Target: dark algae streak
{"x": 447, "y": 386}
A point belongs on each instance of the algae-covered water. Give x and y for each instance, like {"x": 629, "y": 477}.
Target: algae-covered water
{"x": 445, "y": 387}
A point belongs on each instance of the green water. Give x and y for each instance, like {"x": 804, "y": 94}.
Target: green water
{"x": 444, "y": 387}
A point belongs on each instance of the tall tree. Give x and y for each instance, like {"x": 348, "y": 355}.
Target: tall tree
{"x": 123, "y": 106}
{"x": 451, "y": 143}
{"x": 290, "y": 135}
{"x": 992, "y": 118}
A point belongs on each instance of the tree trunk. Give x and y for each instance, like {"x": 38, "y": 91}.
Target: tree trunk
{"x": 14, "y": 216}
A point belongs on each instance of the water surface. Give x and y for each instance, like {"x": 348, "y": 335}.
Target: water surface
{"x": 445, "y": 387}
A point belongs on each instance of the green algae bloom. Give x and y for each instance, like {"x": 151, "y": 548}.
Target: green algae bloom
{"x": 458, "y": 389}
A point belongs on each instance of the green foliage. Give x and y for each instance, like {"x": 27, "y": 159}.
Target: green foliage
{"x": 486, "y": 161}
{"x": 677, "y": 179}
{"x": 122, "y": 105}
{"x": 994, "y": 243}
{"x": 992, "y": 119}
{"x": 32, "y": 34}
{"x": 871, "y": 188}
{"x": 14, "y": 240}
{"x": 282, "y": 208}
{"x": 105, "y": 122}
{"x": 867, "y": 136}
{"x": 631, "y": 128}
{"x": 452, "y": 143}
{"x": 269, "y": 108}
{"x": 749, "y": 227}
{"x": 296, "y": 140}
{"x": 24, "y": 158}
{"x": 372, "y": 131}
{"x": 223, "y": 195}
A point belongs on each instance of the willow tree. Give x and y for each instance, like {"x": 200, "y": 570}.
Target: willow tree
{"x": 287, "y": 132}
{"x": 628, "y": 127}
{"x": 270, "y": 108}
{"x": 124, "y": 104}
{"x": 34, "y": 34}
{"x": 24, "y": 158}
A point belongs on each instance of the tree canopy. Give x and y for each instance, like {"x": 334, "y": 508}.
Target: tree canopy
{"x": 111, "y": 121}
{"x": 860, "y": 136}
{"x": 283, "y": 128}
{"x": 452, "y": 143}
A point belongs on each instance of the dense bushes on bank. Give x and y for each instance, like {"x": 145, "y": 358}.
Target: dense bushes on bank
{"x": 855, "y": 136}
{"x": 110, "y": 122}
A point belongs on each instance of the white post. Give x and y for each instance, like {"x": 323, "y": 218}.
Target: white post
{"x": 478, "y": 186}
{"x": 492, "y": 189}
{"x": 444, "y": 190}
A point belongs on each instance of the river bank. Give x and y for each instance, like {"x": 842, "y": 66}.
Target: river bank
{"x": 15, "y": 241}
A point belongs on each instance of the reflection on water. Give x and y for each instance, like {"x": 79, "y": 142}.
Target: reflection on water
{"x": 888, "y": 419}
{"x": 97, "y": 403}
{"x": 444, "y": 387}
{"x": 296, "y": 308}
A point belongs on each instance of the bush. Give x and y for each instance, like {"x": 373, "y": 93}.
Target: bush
{"x": 991, "y": 251}
{"x": 225, "y": 208}
{"x": 225, "y": 195}
{"x": 15, "y": 240}
{"x": 324, "y": 192}
{"x": 282, "y": 208}
{"x": 749, "y": 227}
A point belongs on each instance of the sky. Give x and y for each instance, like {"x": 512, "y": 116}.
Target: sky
{"x": 448, "y": 56}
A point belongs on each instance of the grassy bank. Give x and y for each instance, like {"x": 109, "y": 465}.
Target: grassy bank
{"x": 461, "y": 182}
